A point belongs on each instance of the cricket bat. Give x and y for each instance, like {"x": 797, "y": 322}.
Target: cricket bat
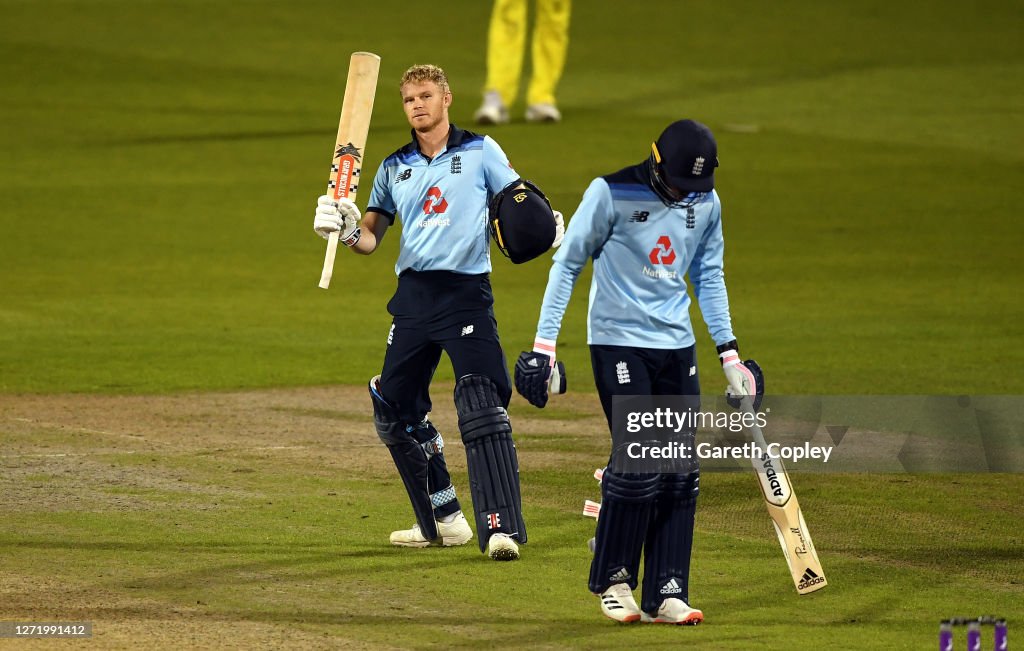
{"x": 788, "y": 519}
{"x": 350, "y": 145}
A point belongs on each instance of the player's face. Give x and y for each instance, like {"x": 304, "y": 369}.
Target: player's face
{"x": 425, "y": 104}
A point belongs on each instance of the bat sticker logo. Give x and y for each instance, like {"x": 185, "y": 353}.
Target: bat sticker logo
{"x": 349, "y": 150}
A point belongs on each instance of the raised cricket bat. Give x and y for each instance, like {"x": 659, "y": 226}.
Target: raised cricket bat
{"x": 787, "y": 518}
{"x": 350, "y": 145}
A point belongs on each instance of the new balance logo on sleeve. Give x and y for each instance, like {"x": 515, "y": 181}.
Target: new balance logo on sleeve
{"x": 466, "y": 330}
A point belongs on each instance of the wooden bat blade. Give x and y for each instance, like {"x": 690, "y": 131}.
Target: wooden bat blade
{"x": 350, "y": 144}
{"x": 788, "y": 519}
{"x": 795, "y": 540}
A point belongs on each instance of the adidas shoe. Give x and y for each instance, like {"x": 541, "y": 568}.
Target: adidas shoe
{"x": 543, "y": 113}
{"x": 456, "y": 532}
{"x": 492, "y": 111}
{"x": 501, "y": 547}
{"x": 617, "y": 603}
{"x": 675, "y": 611}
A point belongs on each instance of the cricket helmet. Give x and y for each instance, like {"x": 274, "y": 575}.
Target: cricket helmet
{"x": 683, "y": 160}
{"x": 521, "y": 222}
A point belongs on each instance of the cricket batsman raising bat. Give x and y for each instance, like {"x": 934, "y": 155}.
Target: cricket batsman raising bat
{"x": 447, "y": 187}
{"x": 349, "y": 148}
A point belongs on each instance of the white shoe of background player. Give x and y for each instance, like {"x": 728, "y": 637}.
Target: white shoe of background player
{"x": 501, "y": 547}
{"x": 492, "y": 111}
{"x": 675, "y": 611}
{"x": 456, "y": 532}
{"x": 543, "y": 113}
{"x": 617, "y": 603}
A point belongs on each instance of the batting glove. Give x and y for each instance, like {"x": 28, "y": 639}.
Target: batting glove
{"x": 341, "y": 215}
{"x": 559, "y": 230}
{"x": 744, "y": 378}
{"x": 537, "y": 373}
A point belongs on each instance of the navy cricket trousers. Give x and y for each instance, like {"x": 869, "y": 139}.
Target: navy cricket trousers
{"x": 437, "y": 311}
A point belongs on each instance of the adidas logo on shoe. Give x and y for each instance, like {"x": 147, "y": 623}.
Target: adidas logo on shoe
{"x": 672, "y": 587}
{"x": 617, "y": 603}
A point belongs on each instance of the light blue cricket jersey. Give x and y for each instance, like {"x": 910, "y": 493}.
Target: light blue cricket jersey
{"x": 442, "y": 203}
{"x": 641, "y": 250}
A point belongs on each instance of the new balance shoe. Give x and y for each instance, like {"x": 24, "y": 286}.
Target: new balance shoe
{"x": 492, "y": 111}
{"x": 456, "y": 532}
{"x": 543, "y": 113}
{"x": 675, "y": 611}
{"x": 501, "y": 547}
{"x": 617, "y": 603}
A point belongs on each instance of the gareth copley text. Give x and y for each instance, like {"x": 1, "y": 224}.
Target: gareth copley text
{"x": 749, "y": 451}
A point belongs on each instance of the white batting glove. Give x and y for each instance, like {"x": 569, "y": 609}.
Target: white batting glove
{"x": 341, "y": 215}
{"x": 559, "y": 230}
{"x": 741, "y": 380}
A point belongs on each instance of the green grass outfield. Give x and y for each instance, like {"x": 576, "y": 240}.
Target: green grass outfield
{"x": 159, "y": 163}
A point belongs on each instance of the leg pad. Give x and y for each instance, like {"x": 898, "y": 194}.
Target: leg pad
{"x": 410, "y": 459}
{"x": 490, "y": 459}
{"x": 626, "y": 507}
{"x": 670, "y": 540}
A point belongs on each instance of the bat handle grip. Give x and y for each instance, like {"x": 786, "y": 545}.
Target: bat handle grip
{"x": 332, "y": 249}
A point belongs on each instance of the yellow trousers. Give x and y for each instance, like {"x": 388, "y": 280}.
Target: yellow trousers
{"x": 507, "y": 43}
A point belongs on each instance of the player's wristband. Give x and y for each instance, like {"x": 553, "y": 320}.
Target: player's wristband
{"x": 353, "y": 238}
{"x": 726, "y": 347}
{"x": 545, "y": 347}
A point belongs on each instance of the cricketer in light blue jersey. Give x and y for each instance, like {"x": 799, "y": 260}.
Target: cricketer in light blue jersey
{"x": 442, "y": 201}
{"x": 647, "y": 228}
{"x": 642, "y": 249}
{"x": 440, "y": 185}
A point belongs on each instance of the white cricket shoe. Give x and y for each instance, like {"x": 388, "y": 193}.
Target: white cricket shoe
{"x": 543, "y": 113}
{"x": 456, "y": 532}
{"x": 617, "y": 603}
{"x": 492, "y": 111}
{"x": 675, "y": 611}
{"x": 501, "y": 547}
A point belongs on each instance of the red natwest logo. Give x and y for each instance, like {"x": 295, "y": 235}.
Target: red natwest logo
{"x": 663, "y": 253}
{"x": 493, "y": 521}
{"x": 435, "y": 203}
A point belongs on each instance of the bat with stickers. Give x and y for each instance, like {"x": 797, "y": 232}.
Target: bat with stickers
{"x": 788, "y": 519}
{"x": 350, "y": 145}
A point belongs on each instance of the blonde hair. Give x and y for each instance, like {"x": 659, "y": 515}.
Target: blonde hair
{"x": 425, "y": 72}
